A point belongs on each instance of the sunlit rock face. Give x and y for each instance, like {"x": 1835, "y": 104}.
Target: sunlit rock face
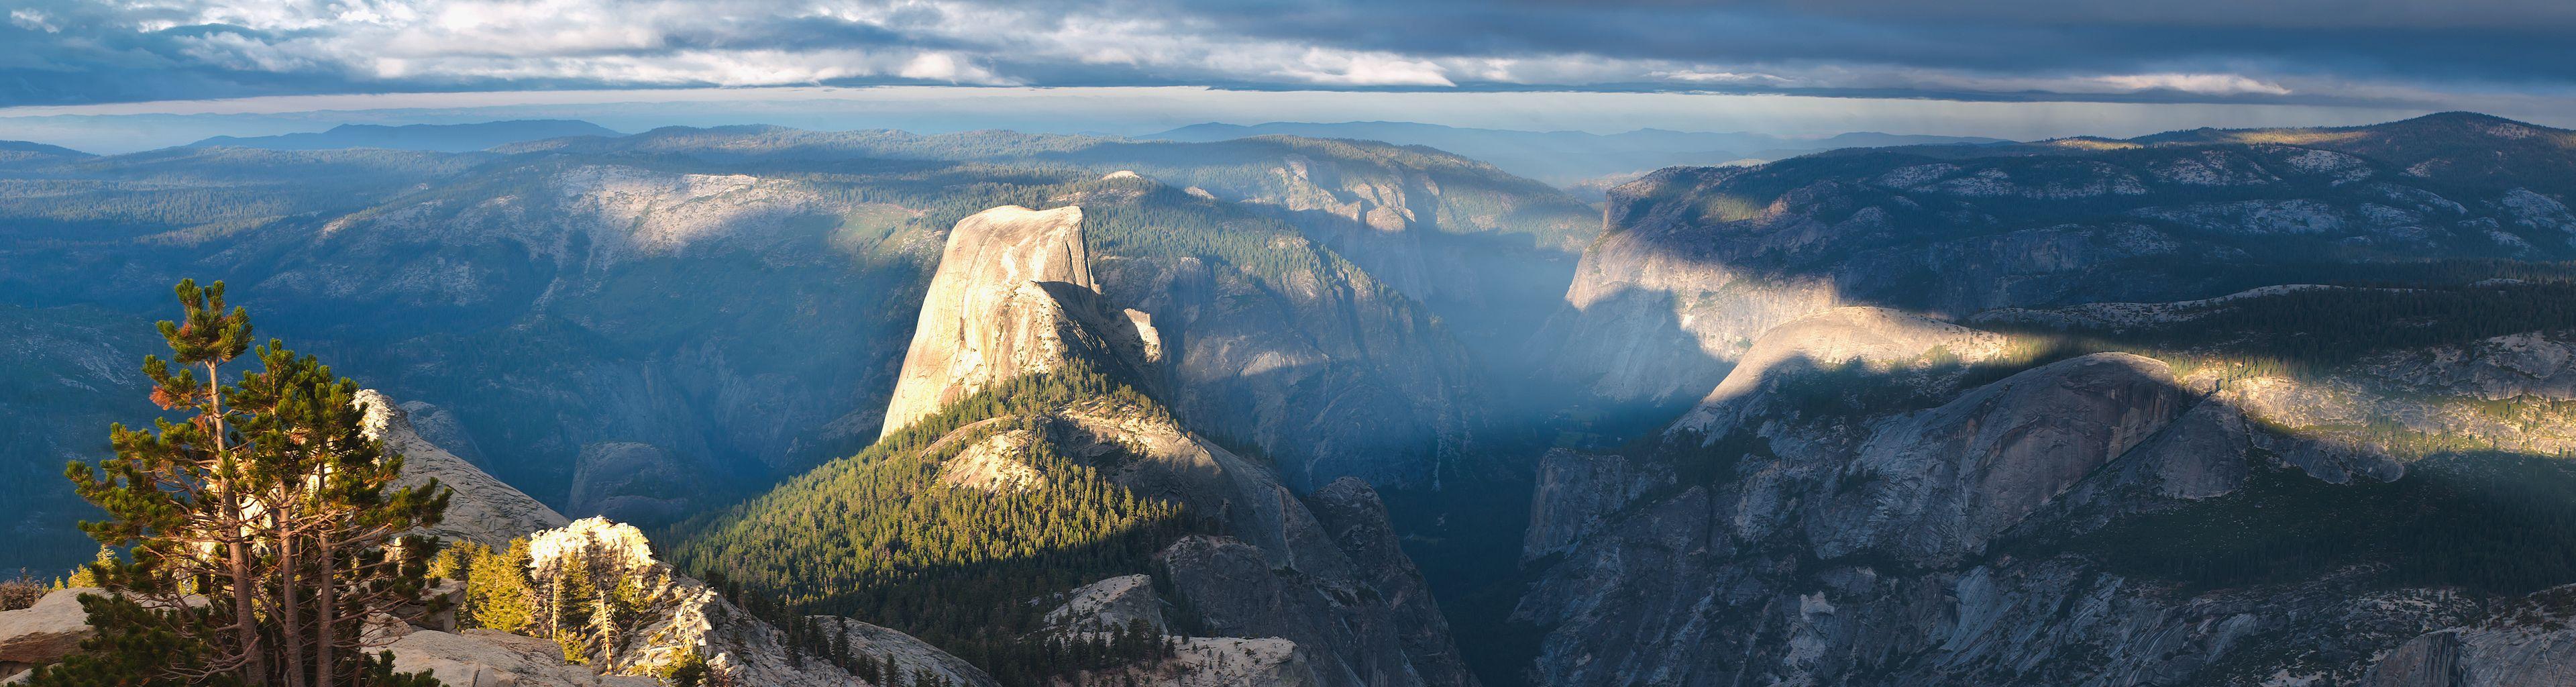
{"x": 993, "y": 311}
{"x": 1912, "y": 493}
{"x": 1693, "y": 264}
{"x": 1300, "y": 591}
{"x": 1923, "y": 542}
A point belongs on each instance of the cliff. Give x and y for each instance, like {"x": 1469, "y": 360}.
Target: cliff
{"x": 2104, "y": 519}
{"x": 989, "y": 315}
{"x": 1335, "y": 604}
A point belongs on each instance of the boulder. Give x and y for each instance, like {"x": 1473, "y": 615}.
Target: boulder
{"x": 486, "y": 658}
{"x": 46, "y": 632}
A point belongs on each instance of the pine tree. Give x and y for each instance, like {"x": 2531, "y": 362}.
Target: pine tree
{"x": 497, "y": 595}
{"x": 268, "y": 500}
{"x": 841, "y": 644}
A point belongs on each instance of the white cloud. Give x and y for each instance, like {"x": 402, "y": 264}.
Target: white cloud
{"x": 1346, "y": 68}
{"x": 33, "y": 20}
{"x": 2207, "y": 84}
{"x": 412, "y": 44}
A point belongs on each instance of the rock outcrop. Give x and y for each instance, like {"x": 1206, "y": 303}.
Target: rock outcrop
{"x": 679, "y": 616}
{"x": 1934, "y": 487}
{"x": 1012, "y": 297}
{"x": 911, "y": 655}
{"x": 1341, "y": 592}
{"x": 1357, "y": 520}
{"x": 993, "y": 310}
{"x": 487, "y": 658}
{"x": 1109, "y": 604}
{"x": 1125, "y": 601}
{"x": 2527, "y": 641}
{"x": 46, "y": 632}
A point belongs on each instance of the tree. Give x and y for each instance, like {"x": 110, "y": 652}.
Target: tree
{"x": 268, "y": 501}
{"x": 497, "y": 594}
{"x": 689, "y": 670}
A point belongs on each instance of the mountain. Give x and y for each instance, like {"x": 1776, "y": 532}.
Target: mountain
{"x": 2250, "y": 407}
{"x": 1025, "y": 454}
{"x": 1566, "y": 158}
{"x": 18, "y": 152}
{"x": 1660, "y": 310}
{"x": 651, "y": 326}
{"x": 444, "y": 138}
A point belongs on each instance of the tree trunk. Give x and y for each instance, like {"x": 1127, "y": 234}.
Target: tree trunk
{"x": 245, "y": 583}
{"x": 291, "y": 625}
{"x": 324, "y": 615}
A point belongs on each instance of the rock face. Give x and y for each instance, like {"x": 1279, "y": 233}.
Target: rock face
{"x": 1109, "y": 604}
{"x": 1121, "y": 601}
{"x": 1006, "y": 302}
{"x": 1325, "y": 577}
{"x": 988, "y": 316}
{"x": 1935, "y": 487}
{"x": 1576, "y": 491}
{"x": 484, "y": 510}
{"x": 1693, "y": 264}
{"x": 1874, "y": 339}
{"x": 1863, "y": 552}
{"x": 1772, "y": 541}
{"x": 912, "y": 655}
{"x": 1358, "y": 521}
{"x": 2527, "y": 642}
{"x": 1328, "y": 370}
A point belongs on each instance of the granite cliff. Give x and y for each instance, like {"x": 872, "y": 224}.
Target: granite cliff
{"x": 2078, "y": 412}
{"x": 1331, "y": 605}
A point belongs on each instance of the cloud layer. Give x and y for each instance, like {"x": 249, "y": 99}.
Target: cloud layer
{"x": 2380, "y": 52}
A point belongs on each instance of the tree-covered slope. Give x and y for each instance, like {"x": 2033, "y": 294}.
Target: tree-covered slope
{"x": 602, "y": 322}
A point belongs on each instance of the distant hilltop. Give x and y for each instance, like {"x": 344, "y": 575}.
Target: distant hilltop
{"x": 444, "y": 138}
{"x": 1570, "y": 157}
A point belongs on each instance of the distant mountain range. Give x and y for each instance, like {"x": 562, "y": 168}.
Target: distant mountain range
{"x": 1568, "y": 158}
{"x": 443, "y": 138}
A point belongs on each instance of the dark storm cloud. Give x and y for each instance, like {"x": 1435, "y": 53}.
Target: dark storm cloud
{"x": 2369, "y": 51}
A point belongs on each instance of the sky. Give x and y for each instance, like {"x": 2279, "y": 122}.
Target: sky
{"x": 110, "y": 75}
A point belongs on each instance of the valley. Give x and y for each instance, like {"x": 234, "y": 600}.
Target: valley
{"x": 2225, "y": 407}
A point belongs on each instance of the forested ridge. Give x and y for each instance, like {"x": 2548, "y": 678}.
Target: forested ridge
{"x": 877, "y": 537}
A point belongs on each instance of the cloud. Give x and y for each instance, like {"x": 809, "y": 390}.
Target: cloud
{"x": 2378, "y": 52}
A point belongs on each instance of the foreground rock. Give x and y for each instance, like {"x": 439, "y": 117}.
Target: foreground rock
{"x": 487, "y": 658}
{"x": 44, "y": 633}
